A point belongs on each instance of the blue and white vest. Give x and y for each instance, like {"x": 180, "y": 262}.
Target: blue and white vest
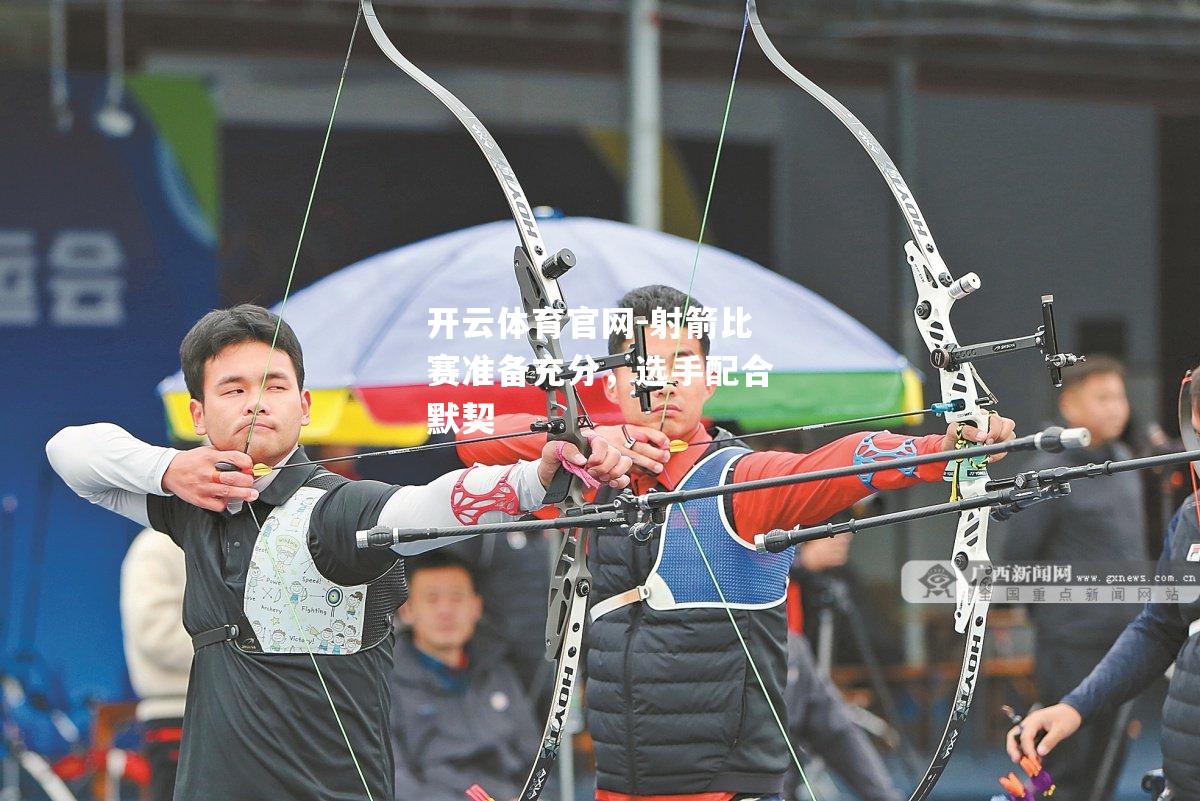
{"x": 681, "y": 577}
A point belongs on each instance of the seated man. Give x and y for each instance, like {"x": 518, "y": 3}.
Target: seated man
{"x": 459, "y": 714}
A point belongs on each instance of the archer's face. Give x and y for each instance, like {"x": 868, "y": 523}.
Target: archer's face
{"x": 232, "y": 380}
{"x": 676, "y": 409}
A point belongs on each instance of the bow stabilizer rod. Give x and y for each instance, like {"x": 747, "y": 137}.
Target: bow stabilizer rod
{"x": 1007, "y": 496}
{"x": 951, "y": 356}
{"x": 1051, "y": 440}
{"x": 645, "y": 512}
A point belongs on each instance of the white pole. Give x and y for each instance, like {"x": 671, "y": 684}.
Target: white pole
{"x": 60, "y": 100}
{"x": 643, "y": 192}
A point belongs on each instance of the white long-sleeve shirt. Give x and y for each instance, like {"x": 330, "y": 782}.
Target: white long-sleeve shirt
{"x": 108, "y": 466}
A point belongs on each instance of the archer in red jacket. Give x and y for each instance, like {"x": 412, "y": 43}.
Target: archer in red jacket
{"x": 674, "y": 708}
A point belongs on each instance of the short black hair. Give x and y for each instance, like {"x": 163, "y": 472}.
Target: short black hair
{"x": 645, "y": 299}
{"x": 221, "y": 328}
{"x": 1095, "y": 365}
{"x": 439, "y": 559}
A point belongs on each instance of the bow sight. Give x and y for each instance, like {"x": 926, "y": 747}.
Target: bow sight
{"x": 1045, "y": 339}
{"x": 549, "y": 374}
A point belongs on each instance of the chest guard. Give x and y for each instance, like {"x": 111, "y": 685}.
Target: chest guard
{"x": 293, "y": 608}
{"x": 680, "y": 578}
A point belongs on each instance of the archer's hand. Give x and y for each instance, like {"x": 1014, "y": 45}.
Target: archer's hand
{"x": 1000, "y": 429}
{"x": 650, "y": 450}
{"x": 823, "y": 554}
{"x": 1058, "y": 722}
{"x": 606, "y": 464}
{"x": 193, "y": 477}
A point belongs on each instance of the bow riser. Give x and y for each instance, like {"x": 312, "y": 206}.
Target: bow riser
{"x": 935, "y": 298}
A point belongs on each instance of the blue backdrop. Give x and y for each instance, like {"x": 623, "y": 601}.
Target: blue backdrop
{"x": 106, "y": 259}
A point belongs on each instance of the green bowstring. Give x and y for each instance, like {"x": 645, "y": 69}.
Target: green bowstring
{"x": 263, "y": 386}
{"x": 712, "y": 182}
{"x": 745, "y": 647}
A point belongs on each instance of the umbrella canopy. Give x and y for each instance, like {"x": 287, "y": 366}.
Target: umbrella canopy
{"x": 366, "y": 332}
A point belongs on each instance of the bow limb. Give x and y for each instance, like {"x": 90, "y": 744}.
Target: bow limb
{"x": 937, "y": 291}
{"x": 537, "y": 273}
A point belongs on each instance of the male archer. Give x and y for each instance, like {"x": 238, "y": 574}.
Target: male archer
{"x": 674, "y": 708}
{"x": 288, "y": 617}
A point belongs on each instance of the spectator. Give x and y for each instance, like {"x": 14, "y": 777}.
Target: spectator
{"x": 158, "y": 650}
{"x": 819, "y": 717}
{"x": 459, "y": 714}
{"x": 518, "y": 619}
{"x": 1164, "y": 633}
{"x": 1104, "y": 521}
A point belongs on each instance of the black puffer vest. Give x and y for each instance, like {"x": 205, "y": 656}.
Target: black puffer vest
{"x": 673, "y": 706}
{"x": 1181, "y": 711}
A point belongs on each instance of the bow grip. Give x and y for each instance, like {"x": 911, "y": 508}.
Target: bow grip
{"x": 560, "y": 487}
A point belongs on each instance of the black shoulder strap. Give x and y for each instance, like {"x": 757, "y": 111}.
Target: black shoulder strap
{"x": 322, "y": 479}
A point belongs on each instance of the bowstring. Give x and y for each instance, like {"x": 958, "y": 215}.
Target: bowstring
{"x": 712, "y": 181}
{"x": 262, "y": 389}
{"x": 749, "y": 658}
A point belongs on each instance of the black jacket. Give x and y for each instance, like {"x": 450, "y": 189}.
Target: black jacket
{"x": 1158, "y": 636}
{"x": 673, "y": 706}
{"x": 445, "y": 741}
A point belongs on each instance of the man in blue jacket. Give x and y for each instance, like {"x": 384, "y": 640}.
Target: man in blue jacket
{"x": 460, "y": 716}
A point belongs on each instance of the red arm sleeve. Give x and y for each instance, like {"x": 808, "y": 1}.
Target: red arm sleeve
{"x": 759, "y": 511}
{"x": 505, "y": 451}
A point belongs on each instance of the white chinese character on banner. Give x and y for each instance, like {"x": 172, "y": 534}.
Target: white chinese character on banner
{"x": 442, "y": 418}
{"x": 443, "y": 370}
{"x": 18, "y": 279}
{"x": 758, "y": 371}
{"x": 478, "y": 321}
{"x": 87, "y": 287}
{"x": 479, "y": 418}
{"x": 442, "y": 318}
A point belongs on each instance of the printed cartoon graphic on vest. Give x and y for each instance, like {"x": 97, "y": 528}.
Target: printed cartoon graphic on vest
{"x": 282, "y": 563}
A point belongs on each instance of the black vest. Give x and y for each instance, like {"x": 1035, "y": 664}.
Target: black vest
{"x": 673, "y": 706}
{"x": 1181, "y": 711}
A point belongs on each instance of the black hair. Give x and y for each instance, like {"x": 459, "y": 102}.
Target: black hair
{"x": 221, "y": 328}
{"x": 1095, "y": 365}
{"x": 439, "y": 559}
{"x": 644, "y": 300}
